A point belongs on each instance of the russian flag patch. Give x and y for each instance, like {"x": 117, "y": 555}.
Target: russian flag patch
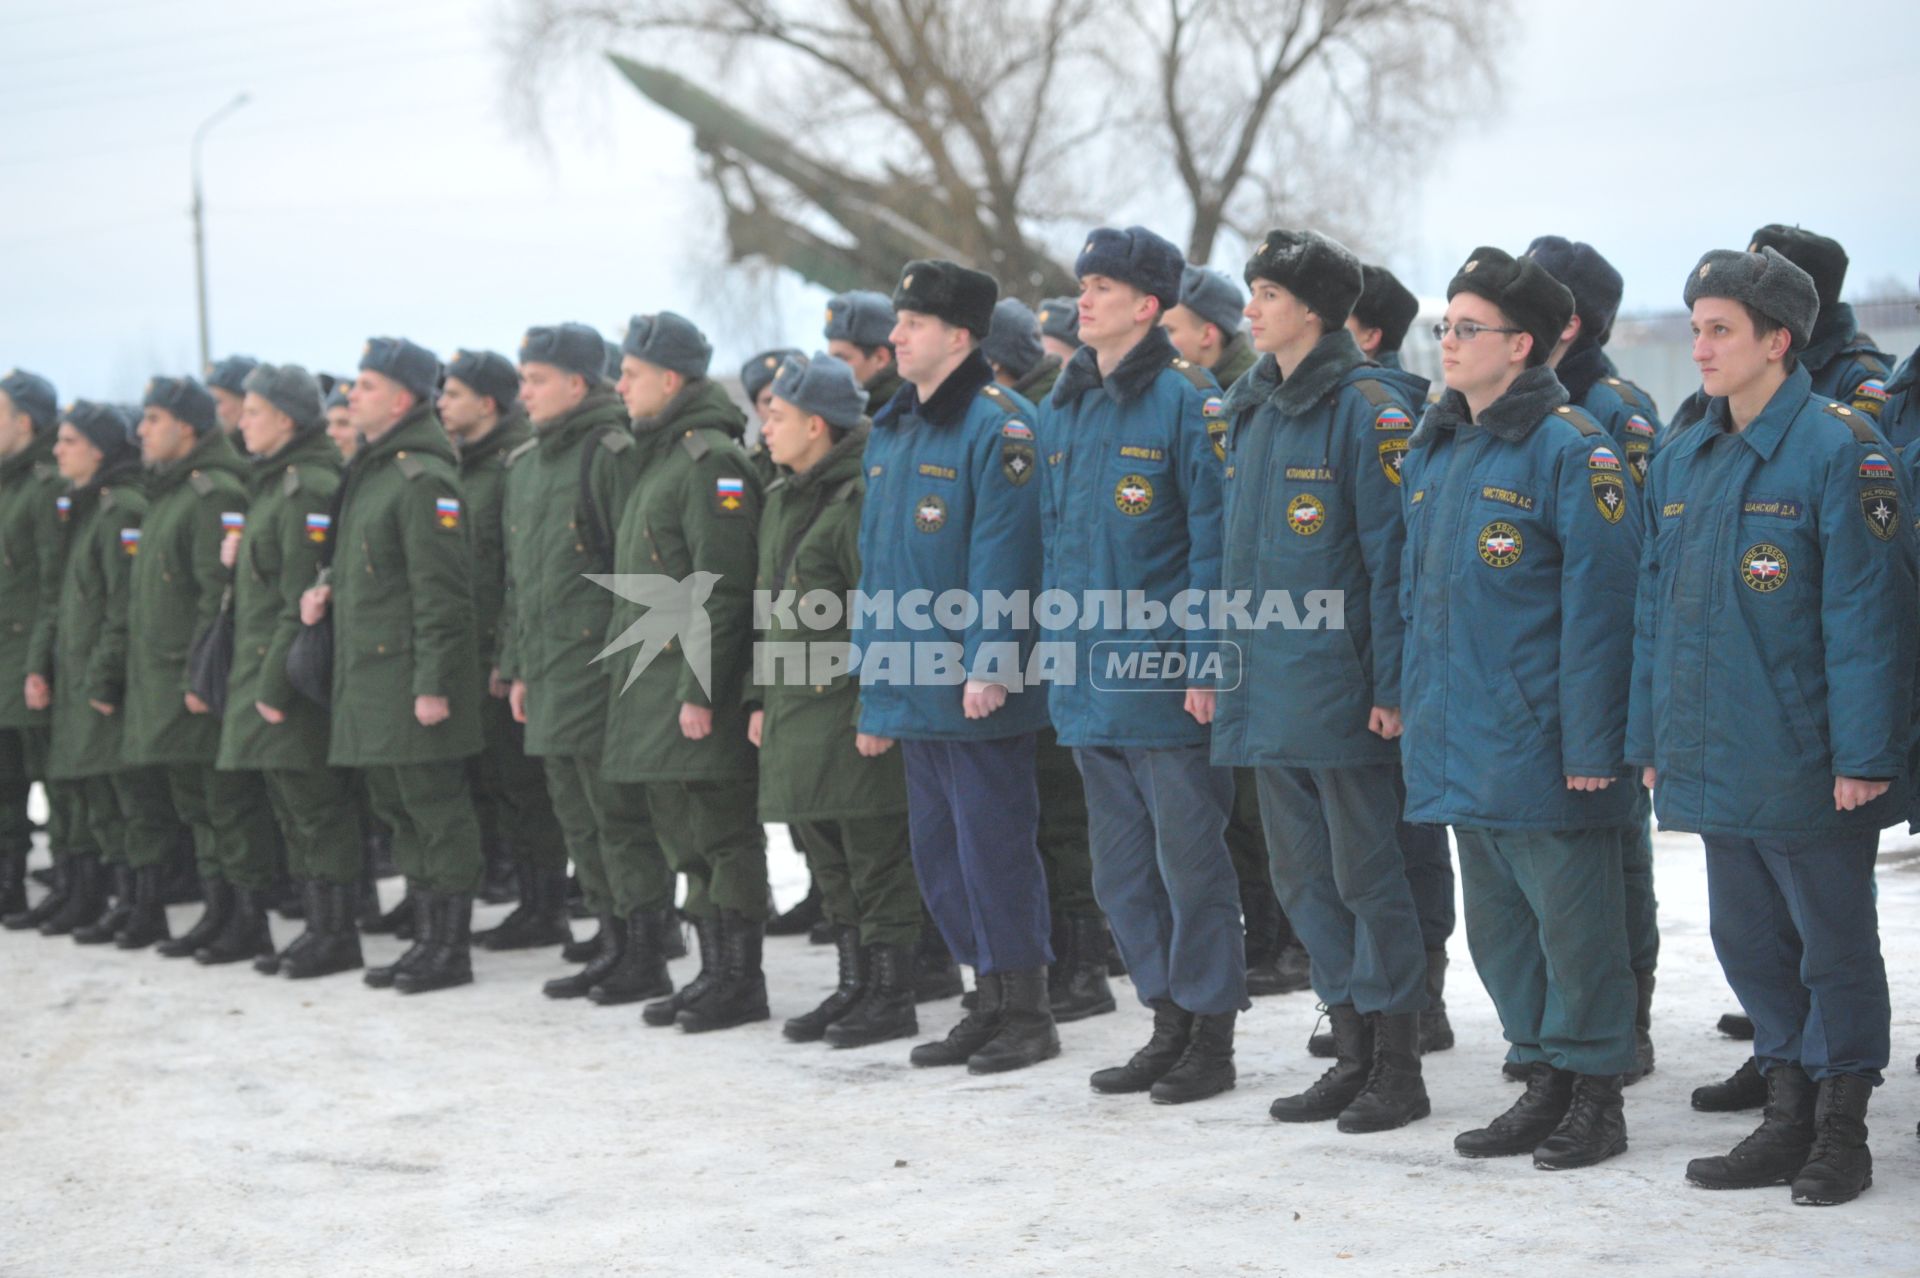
{"x": 130, "y": 540}
{"x": 447, "y": 511}
{"x": 729, "y": 494}
{"x": 317, "y": 526}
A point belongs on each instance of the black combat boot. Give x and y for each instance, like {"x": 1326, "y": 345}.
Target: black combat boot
{"x": 1335, "y": 1089}
{"x": 1594, "y": 1129}
{"x": 245, "y": 935}
{"x": 310, "y": 912}
{"x": 582, "y": 951}
{"x": 641, "y": 970}
{"x": 147, "y": 923}
{"x": 503, "y": 880}
{"x": 673, "y": 939}
{"x": 13, "y": 882}
{"x": 811, "y": 1027}
{"x": 102, "y": 930}
{"x": 382, "y": 977}
{"x": 799, "y": 920}
{"x": 1743, "y": 1089}
{"x": 29, "y": 920}
{"x": 336, "y": 943}
{"x": 1737, "y": 1026}
{"x": 1026, "y": 1035}
{"x": 1205, "y": 1068}
{"x": 1528, "y": 1121}
{"x": 86, "y": 896}
{"x": 1436, "y": 1031}
{"x": 1775, "y": 1151}
{"x": 1839, "y": 1167}
{"x": 1642, "y": 1029}
{"x": 218, "y": 895}
{"x": 612, "y": 944}
{"x": 706, "y": 936}
{"x": 971, "y": 1033}
{"x": 738, "y": 994}
{"x": 1394, "y": 1094}
{"x": 885, "y": 1008}
{"x": 935, "y": 974}
{"x": 1077, "y": 982}
{"x": 539, "y": 920}
{"x": 401, "y": 922}
{"x": 1171, "y": 1027}
{"x": 366, "y": 908}
{"x": 448, "y": 960}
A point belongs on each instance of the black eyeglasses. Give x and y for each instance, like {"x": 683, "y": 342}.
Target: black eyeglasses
{"x": 1467, "y": 330}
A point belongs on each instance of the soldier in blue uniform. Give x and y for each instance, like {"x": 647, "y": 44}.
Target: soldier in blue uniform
{"x": 1900, "y": 419}
{"x": 950, "y": 507}
{"x": 1522, "y": 546}
{"x": 1843, "y": 362}
{"x": 1313, "y": 505}
{"x": 1780, "y": 577}
{"x": 1130, "y": 507}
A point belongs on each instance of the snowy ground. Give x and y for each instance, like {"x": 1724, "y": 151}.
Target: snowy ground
{"x": 161, "y": 1118}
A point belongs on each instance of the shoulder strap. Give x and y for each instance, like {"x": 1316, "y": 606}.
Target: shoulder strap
{"x": 1376, "y": 392}
{"x": 1580, "y": 419}
{"x": 1855, "y": 422}
{"x": 201, "y": 482}
{"x": 998, "y": 397}
{"x": 411, "y": 467}
{"x": 290, "y": 482}
{"x": 696, "y": 446}
{"x": 521, "y": 450}
{"x": 1636, "y": 398}
{"x": 613, "y": 439}
{"x": 1202, "y": 380}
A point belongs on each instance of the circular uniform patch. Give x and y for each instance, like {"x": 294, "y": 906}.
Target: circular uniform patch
{"x": 1306, "y": 514}
{"x": 1764, "y": 567}
{"x": 1133, "y": 495}
{"x": 931, "y": 514}
{"x": 1500, "y": 544}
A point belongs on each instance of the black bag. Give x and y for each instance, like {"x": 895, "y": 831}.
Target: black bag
{"x": 310, "y": 662}
{"x": 210, "y": 659}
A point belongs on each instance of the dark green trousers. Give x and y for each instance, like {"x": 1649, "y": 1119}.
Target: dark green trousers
{"x": 234, "y": 836}
{"x": 510, "y": 796}
{"x": 711, "y": 833}
{"x": 1062, "y": 835}
{"x": 636, "y": 866}
{"x": 577, "y": 792}
{"x": 864, "y": 870}
{"x": 67, "y": 831}
{"x": 317, "y": 810}
{"x": 150, "y": 825}
{"x": 17, "y": 775}
{"x": 100, "y": 799}
{"x": 436, "y": 837}
{"x": 1643, "y": 908}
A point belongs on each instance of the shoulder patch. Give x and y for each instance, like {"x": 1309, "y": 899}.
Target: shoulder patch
{"x": 409, "y": 466}
{"x": 696, "y": 447}
{"x": 616, "y": 440}
{"x": 201, "y": 482}
{"x": 1856, "y": 422}
{"x": 729, "y": 495}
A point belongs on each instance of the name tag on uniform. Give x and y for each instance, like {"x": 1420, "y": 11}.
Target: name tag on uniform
{"x": 1317, "y": 473}
{"x": 938, "y": 472}
{"x": 1672, "y": 509}
{"x": 1139, "y": 452}
{"x": 1507, "y": 496}
{"x": 1777, "y": 507}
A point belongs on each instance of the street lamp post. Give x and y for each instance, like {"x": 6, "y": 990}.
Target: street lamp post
{"x": 199, "y": 224}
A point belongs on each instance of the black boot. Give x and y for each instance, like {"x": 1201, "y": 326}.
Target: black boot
{"x": 504, "y": 880}
{"x": 86, "y": 896}
{"x": 1395, "y": 1094}
{"x": 1642, "y": 1029}
{"x": 366, "y": 908}
{"x": 673, "y": 938}
{"x": 971, "y": 1033}
{"x": 449, "y": 958}
{"x": 1077, "y": 983}
{"x": 1205, "y": 1068}
{"x": 1743, "y": 1089}
{"x": 799, "y": 920}
{"x": 1775, "y": 1151}
{"x": 577, "y": 899}
{"x": 1335, "y": 1089}
{"x": 310, "y": 914}
{"x": 1839, "y": 1168}
{"x": 13, "y": 882}
{"x": 245, "y": 935}
{"x": 383, "y": 977}
{"x": 539, "y": 920}
{"x": 583, "y": 951}
{"x": 1026, "y": 1035}
{"x": 218, "y": 894}
{"x": 1737, "y": 1026}
{"x": 147, "y": 923}
{"x": 738, "y": 995}
{"x": 1436, "y": 1031}
{"x": 885, "y": 1009}
{"x": 336, "y": 942}
{"x": 811, "y": 1027}
{"x": 706, "y": 936}
{"x": 1528, "y": 1121}
{"x": 935, "y": 974}
{"x": 401, "y": 922}
{"x": 641, "y": 970}
{"x": 101, "y": 931}
{"x": 1594, "y": 1129}
{"x": 29, "y": 920}
{"x": 611, "y": 944}
{"x": 1172, "y": 1025}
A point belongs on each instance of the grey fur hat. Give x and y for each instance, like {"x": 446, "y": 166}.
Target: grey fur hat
{"x": 1214, "y": 297}
{"x": 289, "y": 388}
{"x": 862, "y": 317}
{"x": 33, "y": 395}
{"x": 1060, "y": 319}
{"x": 488, "y": 373}
{"x": 758, "y": 373}
{"x": 821, "y": 386}
{"x": 412, "y": 365}
{"x": 668, "y": 341}
{"x": 569, "y": 347}
{"x": 1767, "y": 281}
{"x": 1013, "y": 338}
{"x": 185, "y": 398}
{"x": 230, "y": 374}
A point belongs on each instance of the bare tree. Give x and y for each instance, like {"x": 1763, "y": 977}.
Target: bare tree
{"x": 992, "y": 131}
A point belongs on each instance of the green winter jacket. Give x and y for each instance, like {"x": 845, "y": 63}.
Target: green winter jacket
{"x": 32, "y": 542}
{"x": 483, "y": 482}
{"x": 89, "y": 634}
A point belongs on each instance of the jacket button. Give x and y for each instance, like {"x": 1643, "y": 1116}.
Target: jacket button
{"x": 262, "y": 650}
{"x": 380, "y": 647}
{"x": 586, "y": 634}
{"x": 579, "y": 549}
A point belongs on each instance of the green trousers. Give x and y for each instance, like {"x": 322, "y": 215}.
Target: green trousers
{"x": 234, "y": 836}
{"x": 149, "y": 823}
{"x": 864, "y": 871}
{"x": 67, "y": 831}
{"x": 20, "y": 767}
{"x": 711, "y": 833}
{"x": 436, "y": 837}
{"x": 100, "y": 802}
{"x": 317, "y": 810}
{"x": 510, "y": 796}
{"x": 1062, "y": 835}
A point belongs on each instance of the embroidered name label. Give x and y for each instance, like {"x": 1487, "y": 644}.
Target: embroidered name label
{"x": 1309, "y": 472}
{"x": 1141, "y": 453}
{"x": 932, "y": 471}
{"x": 1508, "y": 496}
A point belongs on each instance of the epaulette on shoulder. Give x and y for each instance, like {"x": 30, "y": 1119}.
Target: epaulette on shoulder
{"x": 290, "y": 481}
{"x": 1376, "y": 391}
{"x": 847, "y": 488}
{"x": 1580, "y": 419}
{"x": 409, "y": 466}
{"x": 45, "y": 471}
{"x": 1202, "y": 379}
{"x": 1634, "y": 397}
{"x": 696, "y": 446}
{"x": 521, "y": 450}
{"x": 1855, "y": 422}
{"x": 201, "y": 482}
{"x": 616, "y": 441}
{"x": 998, "y": 397}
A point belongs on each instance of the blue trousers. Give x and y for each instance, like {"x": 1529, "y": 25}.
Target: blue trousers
{"x": 1334, "y": 837}
{"x": 1798, "y": 934}
{"x": 973, "y": 810}
{"x": 1430, "y": 876}
{"x": 1157, "y": 821}
{"x": 1546, "y": 922}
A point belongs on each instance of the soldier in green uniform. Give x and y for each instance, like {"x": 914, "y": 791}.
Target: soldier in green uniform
{"x": 1020, "y": 359}
{"x": 1205, "y": 326}
{"x": 30, "y": 549}
{"x": 679, "y": 731}
{"x": 857, "y": 332}
{"x": 849, "y": 812}
{"x": 269, "y": 728}
{"x": 227, "y": 383}
{"x": 196, "y": 497}
{"x": 566, "y": 490}
{"x": 756, "y": 381}
{"x": 340, "y": 428}
{"x": 406, "y": 688}
{"x": 1059, "y": 327}
{"x": 526, "y": 854}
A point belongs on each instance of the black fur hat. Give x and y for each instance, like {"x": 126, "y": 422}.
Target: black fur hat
{"x": 1595, "y": 285}
{"x": 1321, "y": 272}
{"x": 1818, "y": 256}
{"x": 948, "y": 291}
{"x": 1386, "y": 304}
{"x": 1533, "y": 300}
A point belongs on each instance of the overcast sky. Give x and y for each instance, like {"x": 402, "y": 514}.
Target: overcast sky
{"x": 374, "y": 184}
